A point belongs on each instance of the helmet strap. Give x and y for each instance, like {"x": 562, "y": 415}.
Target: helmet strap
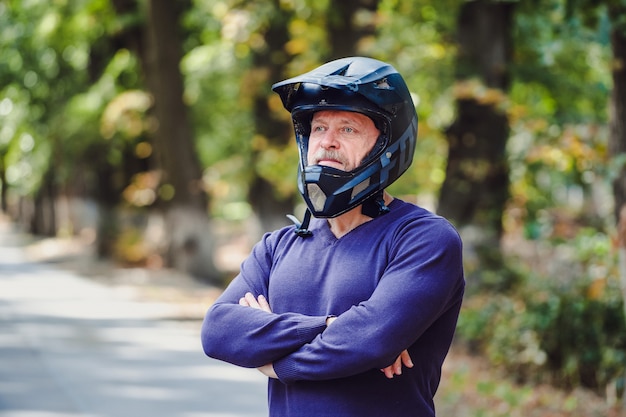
{"x": 375, "y": 206}
{"x": 302, "y": 229}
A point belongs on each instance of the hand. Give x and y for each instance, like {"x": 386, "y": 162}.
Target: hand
{"x": 260, "y": 304}
{"x": 396, "y": 367}
{"x": 268, "y": 371}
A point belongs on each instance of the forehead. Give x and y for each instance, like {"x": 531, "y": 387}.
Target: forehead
{"x": 341, "y": 116}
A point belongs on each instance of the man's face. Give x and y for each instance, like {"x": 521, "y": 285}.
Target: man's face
{"x": 340, "y": 139}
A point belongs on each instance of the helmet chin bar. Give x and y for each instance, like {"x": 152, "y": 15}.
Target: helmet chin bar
{"x": 330, "y": 192}
{"x": 317, "y": 197}
{"x": 372, "y": 207}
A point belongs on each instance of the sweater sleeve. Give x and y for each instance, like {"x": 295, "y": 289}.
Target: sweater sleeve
{"x": 424, "y": 280}
{"x": 250, "y": 337}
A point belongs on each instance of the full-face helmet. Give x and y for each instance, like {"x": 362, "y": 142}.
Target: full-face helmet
{"x": 362, "y": 85}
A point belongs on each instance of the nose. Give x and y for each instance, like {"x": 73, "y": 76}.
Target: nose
{"x": 329, "y": 140}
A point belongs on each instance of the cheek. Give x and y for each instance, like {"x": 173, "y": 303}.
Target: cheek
{"x": 365, "y": 149}
{"x": 312, "y": 147}
{"x": 370, "y": 145}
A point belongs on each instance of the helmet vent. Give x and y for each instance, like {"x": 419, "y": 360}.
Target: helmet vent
{"x": 383, "y": 84}
{"x": 317, "y": 196}
{"x": 360, "y": 187}
{"x": 341, "y": 71}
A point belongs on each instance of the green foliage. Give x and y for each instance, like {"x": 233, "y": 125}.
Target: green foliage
{"x": 565, "y": 326}
{"x": 416, "y": 38}
{"x": 213, "y": 70}
{"x": 45, "y": 51}
{"x": 49, "y": 68}
{"x": 561, "y": 73}
{"x": 218, "y": 76}
{"x": 558, "y": 110}
{"x": 555, "y": 176}
{"x": 71, "y": 100}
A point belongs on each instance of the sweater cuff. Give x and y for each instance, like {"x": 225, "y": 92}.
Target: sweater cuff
{"x": 310, "y": 327}
{"x": 285, "y": 368}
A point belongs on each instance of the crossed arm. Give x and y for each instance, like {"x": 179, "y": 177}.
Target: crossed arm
{"x": 261, "y": 303}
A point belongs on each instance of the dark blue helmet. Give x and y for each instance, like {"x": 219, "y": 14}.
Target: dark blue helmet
{"x": 362, "y": 85}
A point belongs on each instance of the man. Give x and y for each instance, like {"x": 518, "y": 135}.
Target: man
{"x": 369, "y": 283}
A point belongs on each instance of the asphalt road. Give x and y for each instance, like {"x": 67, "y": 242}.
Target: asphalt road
{"x": 70, "y": 346}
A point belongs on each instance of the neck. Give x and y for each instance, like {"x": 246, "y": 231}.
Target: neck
{"x": 348, "y": 221}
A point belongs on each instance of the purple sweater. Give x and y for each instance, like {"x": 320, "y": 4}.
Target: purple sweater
{"x": 395, "y": 283}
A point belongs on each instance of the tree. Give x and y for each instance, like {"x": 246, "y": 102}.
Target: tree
{"x": 348, "y": 23}
{"x": 159, "y": 47}
{"x": 617, "y": 136}
{"x": 476, "y": 186}
{"x": 270, "y": 62}
{"x": 589, "y": 12}
{"x": 617, "y": 106}
{"x": 43, "y": 68}
{"x": 3, "y": 185}
{"x": 190, "y": 247}
{"x": 269, "y": 65}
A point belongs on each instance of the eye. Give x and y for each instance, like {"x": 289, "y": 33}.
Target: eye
{"x": 348, "y": 129}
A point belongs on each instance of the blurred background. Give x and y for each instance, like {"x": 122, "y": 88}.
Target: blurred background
{"x": 147, "y": 133}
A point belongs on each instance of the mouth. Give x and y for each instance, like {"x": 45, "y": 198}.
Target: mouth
{"x": 329, "y": 159}
{"x": 332, "y": 163}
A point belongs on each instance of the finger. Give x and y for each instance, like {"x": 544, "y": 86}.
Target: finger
{"x": 265, "y": 306}
{"x": 388, "y": 371}
{"x": 252, "y": 302}
{"x": 397, "y": 366}
{"x": 406, "y": 359}
{"x": 243, "y": 302}
{"x": 393, "y": 369}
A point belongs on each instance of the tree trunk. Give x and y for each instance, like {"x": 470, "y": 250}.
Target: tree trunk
{"x": 621, "y": 257}
{"x": 188, "y": 233}
{"x": 106, "y": 193}
{"x": 43, "y": 222}
{"x": 190, "y": 244}
{"x": 269, "y": 66}
{"x": 174, "y": 136}
{"x": 475, "y": 190}
{"x": 617, "y": 115}
{"x": 4, "y": 187}
{"x": 617, "y": 138}
{"x": 346, "y": 30}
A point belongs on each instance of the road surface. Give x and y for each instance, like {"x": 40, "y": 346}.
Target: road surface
{"x": 71, "y": 346}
